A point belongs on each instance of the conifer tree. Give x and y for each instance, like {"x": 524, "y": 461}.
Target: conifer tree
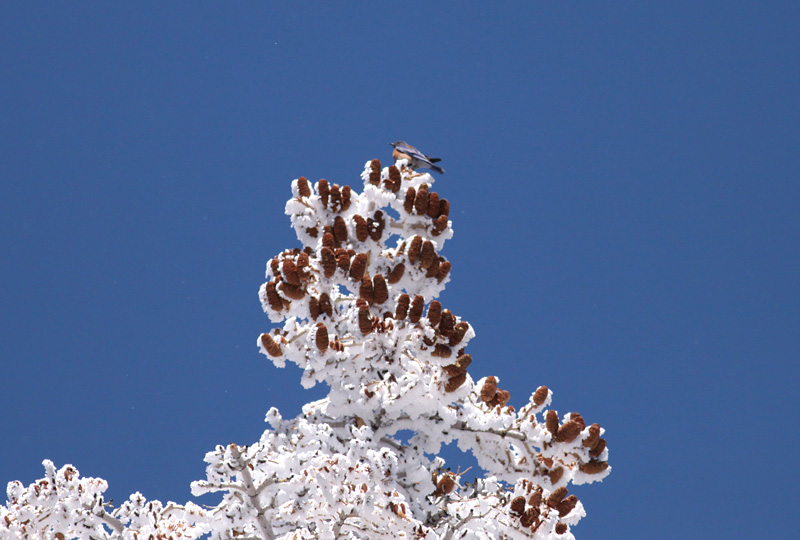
{"x": 358, "y": 310}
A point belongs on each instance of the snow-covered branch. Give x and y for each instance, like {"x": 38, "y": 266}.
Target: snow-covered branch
{"x": 357, "y": 308}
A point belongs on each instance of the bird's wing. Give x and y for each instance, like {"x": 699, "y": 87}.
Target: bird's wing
{"x": 410, "y": 150}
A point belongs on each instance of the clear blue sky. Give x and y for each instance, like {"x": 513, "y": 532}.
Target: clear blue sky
{"x": 624, "y": 190}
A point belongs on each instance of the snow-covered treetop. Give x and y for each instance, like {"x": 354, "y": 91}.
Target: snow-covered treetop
{"x": 358, "y": 311}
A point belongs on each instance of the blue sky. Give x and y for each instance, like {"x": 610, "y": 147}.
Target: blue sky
{"x": 624, "y": 190}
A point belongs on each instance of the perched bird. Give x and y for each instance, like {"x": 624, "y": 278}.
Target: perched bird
{"x": 416, "y": 159}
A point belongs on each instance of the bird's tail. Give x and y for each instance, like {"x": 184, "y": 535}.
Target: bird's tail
{"x": 437, "y": 168}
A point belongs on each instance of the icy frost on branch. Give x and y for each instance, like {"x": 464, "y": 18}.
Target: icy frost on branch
{"x": 359, "y": 312}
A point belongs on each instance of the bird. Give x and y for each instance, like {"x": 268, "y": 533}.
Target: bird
{"x": 416, "y": 159}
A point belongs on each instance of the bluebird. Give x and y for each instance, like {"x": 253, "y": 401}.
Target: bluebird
{"x": 416, "y": 159}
